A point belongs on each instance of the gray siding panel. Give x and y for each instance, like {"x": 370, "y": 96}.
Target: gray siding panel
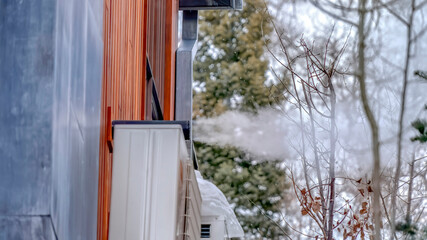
{"x": 50, "y": 95}
{"x": 25, "y": 228}
{"x": 77, "y": 100}
{"x": 26, "y": 77}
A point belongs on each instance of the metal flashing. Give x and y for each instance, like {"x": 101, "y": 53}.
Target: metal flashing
{"x": 185, "y": 125}
{"x": 210, "y": 4}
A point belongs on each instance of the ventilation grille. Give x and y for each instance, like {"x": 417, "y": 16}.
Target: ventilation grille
{"x": 206, "y": 231}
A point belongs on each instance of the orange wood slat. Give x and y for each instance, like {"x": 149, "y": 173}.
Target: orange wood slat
{"x": 171, "y": 38}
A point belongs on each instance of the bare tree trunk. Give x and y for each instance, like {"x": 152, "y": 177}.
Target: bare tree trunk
{"x": 401, "y": 117}
{"x": 333, "y": 141}
{"x": 300, "y": 109}
{"x": 298, "y": 100}
{"x": 411, "y": 183}
{"x": 361, "y": 75}
{"x": 316, "y": 156}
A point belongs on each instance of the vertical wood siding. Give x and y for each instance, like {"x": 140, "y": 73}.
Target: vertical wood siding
{"x": 171, "y": 44}
{"x": 123, "y": 86}
{"x": 133, "y": 29}
{"x": 162, "y": 23}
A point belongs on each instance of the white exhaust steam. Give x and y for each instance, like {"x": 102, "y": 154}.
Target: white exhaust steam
{"x": 263, "y": 135}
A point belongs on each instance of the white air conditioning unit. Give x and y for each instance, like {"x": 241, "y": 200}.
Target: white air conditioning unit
{"x": 156, "y": 193}
{"x": 150, "y": 168}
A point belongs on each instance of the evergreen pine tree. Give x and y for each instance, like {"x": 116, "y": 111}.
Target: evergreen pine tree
{"x": 230, "y": 74}
{"x": 230, "y": 66}
{"x": 420, "y": 124}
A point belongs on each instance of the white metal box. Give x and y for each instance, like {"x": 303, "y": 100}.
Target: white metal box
{"x": 148, "y": 182}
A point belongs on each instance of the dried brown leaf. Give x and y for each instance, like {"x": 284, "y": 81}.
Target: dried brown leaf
{"x": 303, "y": 191}
{"x": 316, "y": 207}
{"x": 364, "y": 205}
{"x": 304, "y": 212}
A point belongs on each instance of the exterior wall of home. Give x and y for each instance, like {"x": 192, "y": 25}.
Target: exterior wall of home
{"x": 67, "y": 68}
{"x": 26, "y": 72}
{"x": 76, "y": 118}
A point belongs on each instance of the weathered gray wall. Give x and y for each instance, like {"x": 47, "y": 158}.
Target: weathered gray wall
{"x": 50, "y": 65}
{"x": 26, "y": 228}
{"x": 76, "y": 118}
{"x": 26, "y": 71}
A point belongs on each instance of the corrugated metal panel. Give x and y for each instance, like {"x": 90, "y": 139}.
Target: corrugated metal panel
{"x": 145, "y": 187}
